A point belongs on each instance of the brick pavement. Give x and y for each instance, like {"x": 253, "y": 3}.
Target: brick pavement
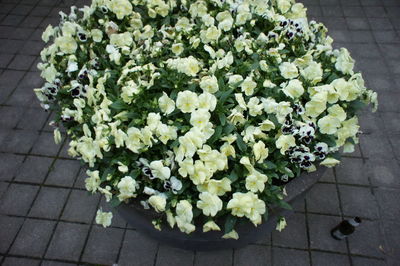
{"x": 46, "y": 217}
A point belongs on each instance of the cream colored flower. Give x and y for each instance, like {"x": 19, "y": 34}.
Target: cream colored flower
{"x": 288, "y": 70}
{"x": 104, "y": 218}
{"x": 209, "y": 84}
{"x": 158, "y": 202}
{"x": 330, "y": 162}
{"x": 328, "y": 124}
{"x": 66, "y": 44}
{"x": 187, "y": 101}
{"x": 344, "y": 62}
{"x": 209, "y": 203}
{"x": 120, "y": 8}
{"x": 166, "y": 104}
{"x": 294, "y": 89}
{"x": 260, "y": 151}
{"x": 284, "y": 142}
{"x": 248, "y": 86}
{"x": 210, "y": 226}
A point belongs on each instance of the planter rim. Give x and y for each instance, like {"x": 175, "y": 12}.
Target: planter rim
{"x": 141, "y": 219}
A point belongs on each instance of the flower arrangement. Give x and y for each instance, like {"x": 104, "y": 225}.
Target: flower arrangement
{"x": 199, "y": 109}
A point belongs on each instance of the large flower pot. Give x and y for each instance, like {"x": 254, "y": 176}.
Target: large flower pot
{"x": 141, "y": 219}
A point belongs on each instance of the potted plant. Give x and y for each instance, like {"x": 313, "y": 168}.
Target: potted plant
{"x": 193, "y": 115}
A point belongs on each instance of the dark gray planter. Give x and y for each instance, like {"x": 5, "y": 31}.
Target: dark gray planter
{"x": 141, "y": 219}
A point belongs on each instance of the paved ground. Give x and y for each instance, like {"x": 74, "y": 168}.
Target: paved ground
{"x": 46, "y": 217}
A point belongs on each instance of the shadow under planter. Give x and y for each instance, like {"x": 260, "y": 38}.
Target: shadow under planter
{"x": 141, "y": 220}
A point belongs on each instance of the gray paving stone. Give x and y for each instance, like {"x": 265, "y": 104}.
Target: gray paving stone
{"x": 357, "y": 23}
{"x": 3, "y": 188}
{"x": 34, "y": 118}
{"x": 353, "y": 11}
{"x": 329, "y": 259}
{"x": 80, "y": 181}
{"x": 10, "y": 116}
{"x": 9, "y": 229}
{"x": 380, "y": 24}
{"x": 169, "y": 256}
{"x": 21, "y": 10}
{"x": 103, "y": 245}
{"x": 14, "y": 261}
{"x": 18, "y": 141}
{"x": 252, "y": 255}
{"x": 358, "y": 201}
{"x": 290, "y": 257}
{"x": 388, "y": 200}
{"x": 138, "y": 248}
{"x": 367, "y": 240}
{"x": 81, "y": 207}
{"x": 384, "y": 172}
{"x": 22, "y": 97}
{"x": 45, "y": 145}
{"x": 68, "y": 241}
{"x": 31, "y": 22}
{"x": 390, "y": 100}
{"x": 322, "y": 198}
{"x": 32, "y": 79}
{"x": 328, "y": 176}
{"x": 221, "y": 258}
{"x": 392, "y": 235}
{"x": 34, "y": 169}
{"x": 395, "y": 142}
{"x": 49, "y": 203}
{"x": 352, "y": 171}
{"x": 12, "y": 20}
{"x": 9, "y": 164}
{"x": 370, "y": 123}
{"x": 18, "y": 199}
{"x": 22, "y": 62}
{"x": 33, "y": 238}
{"x": 5, "y": 59}
{"x": 63, "y": 173}
{"x": 10, "y": 46}
{"x": 320, "y": 238}
{"x": 294, "y": 235}
{"x": 376, "y": 146}
{"x": 360, "y": 261}
{"x": 386, "y": 36}
{"x": 55, "y": 263}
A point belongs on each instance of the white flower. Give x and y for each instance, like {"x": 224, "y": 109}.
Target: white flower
{"x": 166, "y": 104}
{"x": 288, "y": 70}
{"x": 121, "y": 8}
{"x": 209, "y": 84}
{"x": 158, "y": 202}
{"x": 210, "y": 204}
{"x": 104, "y": 218}
{"x": 127, "y": 188}
{"x": 248, "y": 86}
{"x": 66, "y": 44}
{"x": 200, "y": 118}
{"x": 281, "y": 224}
{"x": 177, "y": 48}
{"x": 260, "y": 151}
{"x": 255, "y": 107}
{"x": 294, "y": 89}
{"x": 159, "y": 170}
{"x": 97, "y": 35}
{"x": 284, "y": 142}
{"x": 92, "y": 183}
{"x": 344, "y": 62}
{"x": 49, "y": 32}
{"x": 207, "y": 101}
{"x": 57, "y": 136}
{"x": 187, "y": 101}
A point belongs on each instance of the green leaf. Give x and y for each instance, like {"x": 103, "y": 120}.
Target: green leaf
{"x": 266, "y": 214}
{"x": 222, "y": 119}
{"x": 233, "y": 176}
{"x": 230, "y": 223}
{"x": 240, "y": 143}
{"x": 224, "y": 96}
{"x": 269, "y": 165}
{"x": 119, "y": 105}
{"x": 216, "y": 135}
{"x": 114, "y": 202}
{"x": 285, "y": 205}
{"x": 228, "y": 128}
